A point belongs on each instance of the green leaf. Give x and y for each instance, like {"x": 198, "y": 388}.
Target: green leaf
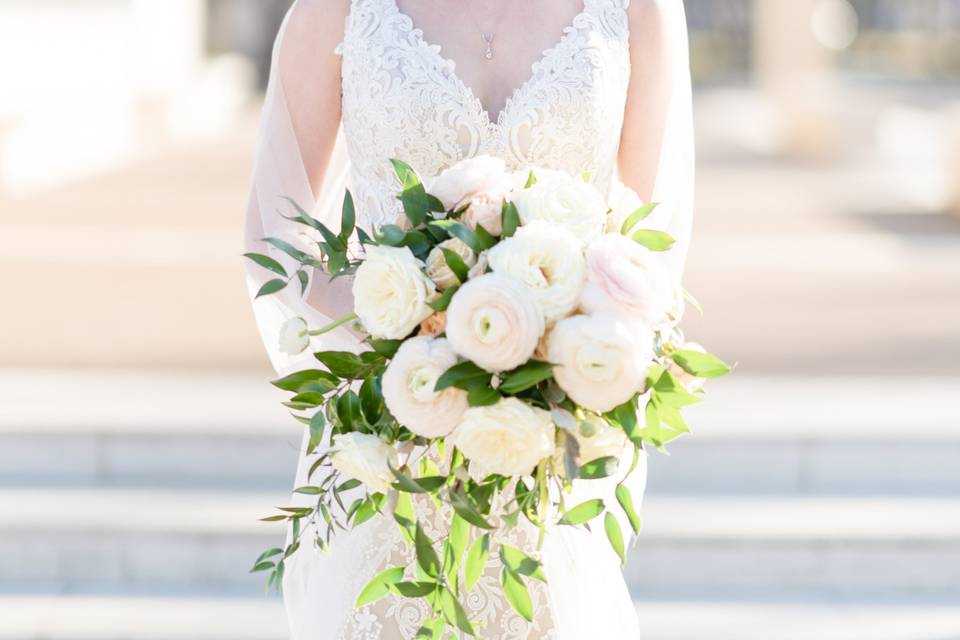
{"x": 483, "y": 396}
{"x": 414, "y": 589}
{"x": 465, "y": 375}
{"x": 615, "y": 535}
{"x": 271, "y": 286}
{"x": 461, "y": 231}
{"x": 267, "y": 263}
{"x": 667, "y": 390}
{"x": 304, "y": 281}
{"x": 510, "y": 218}
{"x": 432, "y": 630}
{"x": 703, "y": 365}
{"x": 484, "y": 237}
{"x": 348, "y": 410}
{"x": 583, "y": 512}
{"x": 391, "y": 235}
{"x": 369, "y": 507}
{"x": 409, "y": 484}
{"x": 520, "y": 563}
{"x": 459, "y": 537}
{"x": 334, "y": 243}
{"x": 308, "y": 380}
{"x": 379, "y": 586}
{"x": 348, "y": 217}
{"x": 626, "y": 503}
{"x": 371, "y": 400}
{"x": 653, "y": 240}
{"x": 516, "y": 594}
{"x": 599, "y": 468}
{"x": 531, "y": 180}
{"x": 454, "y": 613}
{"x": 404, "y": 515}
{"x": 476, "y": 561}
{"x": 342, "y": 364}
{"x": 289, "y": 249}
{"x": 441, "y": 303}
{"x": 456, "y": 264}
{"x": 529, "y": 375}
{"x": 426, "y": 555}
{"x": 309, "y": 490}
{"x": 468, "y": 511}
{"x": 640, "y": 214}
{"x": 262, "y": 566}
{"x": 385, "y": 348}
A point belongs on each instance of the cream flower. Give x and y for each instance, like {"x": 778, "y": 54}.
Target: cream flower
{"x": 568, "y": 201}
{"x": 601, "y": 360}
{"x": 548, "y": 260}
{"x": 508, "y": 438}
{"x": 486, "y": 210}
{"x": 495, "y": 322}
{"x": 437, "y": 268}
{"x": 408, "y": 388}
{"x": 624, "y": 277}
{"x": 364, "y": 457}
{"x": 391, "y": 292}
{"x": 597, "y": 439}
{"x": 294, "y": 337}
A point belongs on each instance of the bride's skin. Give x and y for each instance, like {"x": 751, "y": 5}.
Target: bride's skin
{"x": 310, "y": 72}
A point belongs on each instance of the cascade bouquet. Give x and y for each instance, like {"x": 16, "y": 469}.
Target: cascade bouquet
{"x": 521, "y": 337}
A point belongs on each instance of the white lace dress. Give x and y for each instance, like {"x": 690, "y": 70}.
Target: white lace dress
{"x": 403, "y": 99}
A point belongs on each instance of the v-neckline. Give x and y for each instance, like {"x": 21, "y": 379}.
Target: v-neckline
{"x": 467, "y": 90}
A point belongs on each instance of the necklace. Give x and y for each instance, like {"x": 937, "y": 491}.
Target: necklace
{"x": 487, "y": 38}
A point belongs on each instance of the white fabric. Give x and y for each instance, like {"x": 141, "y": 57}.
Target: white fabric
{"x": 402, "y": 99}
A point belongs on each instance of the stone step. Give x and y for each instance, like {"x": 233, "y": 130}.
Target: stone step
{"x": 227, "y": 429}
{"x": 142, "y": 540}
{"x": 213, "y": 618}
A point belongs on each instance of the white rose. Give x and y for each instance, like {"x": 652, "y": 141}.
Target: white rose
{"x": 486, "y": 210}
{"x": 364, "y": 457}
{"x": 508, "y": 438}
{"x": 294, "y": 336}
{"x": 391, "y": 292}
{"x": 437, "y": 268}
{"x": 624, "y": 277}
{"x": 597, "y": 439}
{"x": 470, "y": 178}
{"x": 408, "y": 388}
{"x": 495, "y": 322}
{"x": 568, "y": 201}
{"x": 623, "y": 202}
{"x": 601, "y": 360}
{"x": 548, "y": 260}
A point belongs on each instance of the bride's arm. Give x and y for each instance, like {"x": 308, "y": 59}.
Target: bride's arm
{"x": 301, "y": 117}
{"x": 656, "y": 148}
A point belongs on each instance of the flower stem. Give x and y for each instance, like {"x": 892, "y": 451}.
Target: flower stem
{"x": 350, "y": 317}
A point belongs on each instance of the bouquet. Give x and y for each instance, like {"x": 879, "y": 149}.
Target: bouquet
{"x": 522, "y": 337}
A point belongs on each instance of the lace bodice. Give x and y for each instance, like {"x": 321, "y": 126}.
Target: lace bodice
{"x": 403, "y": 99}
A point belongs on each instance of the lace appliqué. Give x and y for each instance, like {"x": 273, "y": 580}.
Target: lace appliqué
{"x": 403, "y": 99}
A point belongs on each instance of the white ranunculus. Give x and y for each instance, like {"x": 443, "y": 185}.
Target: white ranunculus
{"x": 568, "y": 201}
{"x": 597, "y": 439}
{"x": 495, "y": 322}
{"x": 364, "y": 457}
{"x": 471, "y": 178}
{"x": 294, "y": 336}
{"x": 437, "y": 268}
{"x": 391, "y": 292}
{"x": 408, "y": 388}
{"x": 508, "y": 438}
{"x": 623, "y": 202}
{"x": 626, "y": 278}
{"x": 601, "y": 359}
{"x": 548, "y": 260}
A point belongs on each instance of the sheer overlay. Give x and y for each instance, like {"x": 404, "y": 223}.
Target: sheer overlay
{"x": 580, "y": 110}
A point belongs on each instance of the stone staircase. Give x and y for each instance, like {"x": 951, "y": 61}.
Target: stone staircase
{"x": 802, "y": 508}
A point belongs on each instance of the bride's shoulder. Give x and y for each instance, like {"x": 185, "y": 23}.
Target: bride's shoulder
{"x": 655, "y": 18}
{"x": 316, "y": 22}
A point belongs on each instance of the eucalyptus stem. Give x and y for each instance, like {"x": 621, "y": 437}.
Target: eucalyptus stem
{"x": 544, "y": 500}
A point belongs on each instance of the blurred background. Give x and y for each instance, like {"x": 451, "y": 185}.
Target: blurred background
{"x": 139, "y": 441}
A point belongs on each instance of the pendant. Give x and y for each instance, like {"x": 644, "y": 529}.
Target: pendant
{"x": 488, "y": 53}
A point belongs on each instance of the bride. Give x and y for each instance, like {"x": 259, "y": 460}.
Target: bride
{"x": 596, "y": 87}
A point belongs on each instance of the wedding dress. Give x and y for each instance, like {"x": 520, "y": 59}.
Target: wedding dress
{"x": 402, "y": 99}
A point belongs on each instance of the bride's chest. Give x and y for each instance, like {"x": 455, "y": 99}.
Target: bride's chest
{"x": 403, "y": 98}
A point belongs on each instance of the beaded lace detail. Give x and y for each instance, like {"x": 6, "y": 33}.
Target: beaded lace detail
{"x": 403, "y": 99}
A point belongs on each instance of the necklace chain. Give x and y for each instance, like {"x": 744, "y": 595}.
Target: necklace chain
{"x": 487, "y": 38}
